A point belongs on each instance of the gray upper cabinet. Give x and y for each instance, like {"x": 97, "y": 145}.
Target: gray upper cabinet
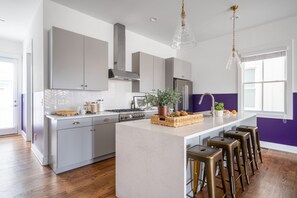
{"x": 77, "y": 62}
{"x": 159, "y": 73}
{"x": 179, "y": 68}
{"x": 96, "y": 64}
{"x": 67, "y": 55}
{"x": 151, "y": 70}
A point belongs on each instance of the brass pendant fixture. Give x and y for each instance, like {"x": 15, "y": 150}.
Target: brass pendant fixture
{"x": 234, "y": 59}
{"x": 183, "y": 36}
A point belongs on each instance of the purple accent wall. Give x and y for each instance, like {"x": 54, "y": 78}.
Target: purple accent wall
{"x": 230, "y": 101}
{"x": 270, "y": 130}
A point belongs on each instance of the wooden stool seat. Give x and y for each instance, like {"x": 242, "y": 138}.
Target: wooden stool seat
{"x": 244, "y": 139}
{"x": 211, "y": 157}
{"x": 255, "y": 141}
{"x": 232, "y": 148}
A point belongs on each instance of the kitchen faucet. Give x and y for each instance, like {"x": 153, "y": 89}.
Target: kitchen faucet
{"x": 212, "y": 111}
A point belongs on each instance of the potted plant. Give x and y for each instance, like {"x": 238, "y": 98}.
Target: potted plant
{"x": 219, "y": 107}
{"x": 164, "y": 100}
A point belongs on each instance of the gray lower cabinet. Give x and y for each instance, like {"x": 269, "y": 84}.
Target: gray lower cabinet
{"x": 74, "y": 146}
{"x": 77, "y": 142}
{"x": 103, "y": 139}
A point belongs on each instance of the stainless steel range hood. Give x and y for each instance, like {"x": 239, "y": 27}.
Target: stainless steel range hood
{"x": 119, "y": 47}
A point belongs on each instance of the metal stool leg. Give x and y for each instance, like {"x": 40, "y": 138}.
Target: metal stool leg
{"x": 222, "y": 176}
{"x": 237, "y": 152}
{"x": 210, "y": 172}
{"x": 255, "y": 149}
{"x": 230, "y": 165}
{"x": 196, "y": 176}
{"x": 258, "y": 146}
{"x": 244, "y": 147}
{"x": 251, "y": 156}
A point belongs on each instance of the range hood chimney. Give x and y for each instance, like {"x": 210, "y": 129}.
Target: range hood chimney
{"x": 119, "y": 56}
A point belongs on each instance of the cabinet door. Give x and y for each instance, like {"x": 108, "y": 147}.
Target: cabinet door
{"x": 182, "y": 69}
{"x": 177, "y": 68}
{"x": 74, "y": 146}
{"x": 66, "y": 60}
{"x": 187, "y": 70}
{"x": 146, "y": 72}
{"x": 96, "y": 64}
{"x": 104, "y": 139}
{"x": 159, "y": 73}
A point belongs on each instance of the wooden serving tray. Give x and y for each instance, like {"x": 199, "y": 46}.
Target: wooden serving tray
{"x": 66, "y": 113}
{"x": 177, "y": 121}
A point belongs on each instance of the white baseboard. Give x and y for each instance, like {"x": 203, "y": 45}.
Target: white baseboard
{"x": 279, "y": 147}
{"x": 24, "y": 135}
{"x": 41, "y": 158}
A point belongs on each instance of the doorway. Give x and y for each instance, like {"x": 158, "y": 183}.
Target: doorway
{"x": 8, "y": 96}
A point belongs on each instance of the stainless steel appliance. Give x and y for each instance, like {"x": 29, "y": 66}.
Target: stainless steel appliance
{"x": 185, "y": 87}
{"x": 129, "y": 114}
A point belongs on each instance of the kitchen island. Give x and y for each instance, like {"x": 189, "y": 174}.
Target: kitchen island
{"x": 151, "y": 159}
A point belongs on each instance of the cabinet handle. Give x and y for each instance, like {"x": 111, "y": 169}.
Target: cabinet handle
{"x": 76, "y": 123}
{"x": 82, "y": 85}
{"x": 86, "y": 85}
{"x": 106, "y": 119}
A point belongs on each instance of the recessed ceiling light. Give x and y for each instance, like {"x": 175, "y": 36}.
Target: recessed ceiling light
{"x": 153, "y": 19}
{"x": 2, "y": 20}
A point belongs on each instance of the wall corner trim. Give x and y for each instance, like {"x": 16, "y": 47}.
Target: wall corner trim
{"x": 41, "y": 158}
{"x": 279, "y": 147}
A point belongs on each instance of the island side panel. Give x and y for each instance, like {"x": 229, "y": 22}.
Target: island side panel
{"x": 149, "y": 164}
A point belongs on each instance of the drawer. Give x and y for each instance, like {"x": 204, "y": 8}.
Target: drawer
{"x": 74, "y": 123}
{"x": 105, "y": 119}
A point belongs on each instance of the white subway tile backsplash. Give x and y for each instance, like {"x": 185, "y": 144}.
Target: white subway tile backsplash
{"x": 119, "y": 95}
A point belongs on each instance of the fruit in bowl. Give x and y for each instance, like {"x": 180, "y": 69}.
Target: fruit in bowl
{"x": 234, "y": 112}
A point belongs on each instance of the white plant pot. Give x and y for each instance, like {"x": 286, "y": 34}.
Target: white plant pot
{"x": 219, "y": 113}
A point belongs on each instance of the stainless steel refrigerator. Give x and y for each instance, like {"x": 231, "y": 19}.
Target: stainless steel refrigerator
{"x": 185, "y": 87}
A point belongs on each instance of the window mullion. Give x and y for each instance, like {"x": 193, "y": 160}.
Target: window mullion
{"x": 262, "y": 85}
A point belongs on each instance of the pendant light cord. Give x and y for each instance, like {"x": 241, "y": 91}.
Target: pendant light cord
{"x": 233, "y": 47}
{"x": 183, "y": 13}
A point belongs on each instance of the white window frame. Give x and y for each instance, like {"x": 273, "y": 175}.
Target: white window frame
{"x": 276, "y": 46}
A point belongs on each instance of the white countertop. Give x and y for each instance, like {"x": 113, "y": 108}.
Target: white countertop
{"x": 104, "y": 113}
{"x": 207, "y": 125}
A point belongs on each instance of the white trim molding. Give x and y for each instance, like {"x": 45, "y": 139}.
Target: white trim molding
{"x": 279, "y": 147}
{"x": 41, "y": 158}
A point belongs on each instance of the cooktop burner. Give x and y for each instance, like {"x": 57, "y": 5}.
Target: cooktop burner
{"x": 123, "y": 110}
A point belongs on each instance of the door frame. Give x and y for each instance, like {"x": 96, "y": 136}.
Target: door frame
{"x": 18, "y": 78}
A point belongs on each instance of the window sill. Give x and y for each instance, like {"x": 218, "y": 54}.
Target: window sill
{"x": 272, "y": 115}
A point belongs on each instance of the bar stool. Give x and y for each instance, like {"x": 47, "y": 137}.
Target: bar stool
{"x": 210, "y": 157}
{"x": 244, "y": 139}
{"x": 230, "y": 147}
{"x": 255, "y": 141}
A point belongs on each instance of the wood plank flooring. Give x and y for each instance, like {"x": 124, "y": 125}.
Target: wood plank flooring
{"x": 21, "y": 175}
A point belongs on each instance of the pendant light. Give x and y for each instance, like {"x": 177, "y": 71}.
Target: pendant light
{"x": 234, "y": 59}
{"x": 183, "y": 36}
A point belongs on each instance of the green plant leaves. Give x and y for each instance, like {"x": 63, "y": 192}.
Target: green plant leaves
{"x": 168, "y": 97}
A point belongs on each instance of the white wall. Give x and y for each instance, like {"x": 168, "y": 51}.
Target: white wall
{"x": 210, "y": 57}
{"x": 119, "y": 94}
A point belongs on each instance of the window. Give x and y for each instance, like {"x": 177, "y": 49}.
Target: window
{"x": 264, "y": 83}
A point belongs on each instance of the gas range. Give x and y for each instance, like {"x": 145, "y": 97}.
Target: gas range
{"x": 129, "y": 114}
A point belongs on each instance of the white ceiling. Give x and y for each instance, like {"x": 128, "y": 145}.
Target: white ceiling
{"x": 208, "y": 18}
{"x": 18, "y": 15}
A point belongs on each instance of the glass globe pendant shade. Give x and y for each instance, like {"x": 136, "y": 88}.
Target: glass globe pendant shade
{"x": 183, "y": 36}
{"x": 234, "y": 60}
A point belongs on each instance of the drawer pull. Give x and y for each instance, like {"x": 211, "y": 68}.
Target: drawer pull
{"x": 76, "y": 123}
{"x": 106, "y": 119}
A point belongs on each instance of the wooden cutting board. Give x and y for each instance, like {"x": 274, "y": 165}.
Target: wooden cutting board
{"x": 66, "y": 113}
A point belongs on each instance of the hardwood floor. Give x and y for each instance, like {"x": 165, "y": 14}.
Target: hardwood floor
{"x": 21, "y": 175}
